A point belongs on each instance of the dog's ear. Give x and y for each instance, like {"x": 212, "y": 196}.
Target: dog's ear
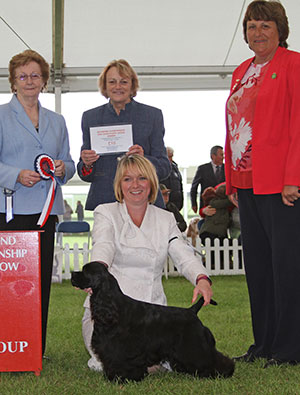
{"x": 100, "y": 278}
{"x": 104, "y": 309}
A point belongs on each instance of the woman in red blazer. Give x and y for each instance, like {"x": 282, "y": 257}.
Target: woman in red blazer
{"x": 262, "y": 165}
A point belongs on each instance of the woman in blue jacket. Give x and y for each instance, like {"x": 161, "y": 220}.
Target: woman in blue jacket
{"x": 28, "y": 130}
{"x": 119, "y": 83}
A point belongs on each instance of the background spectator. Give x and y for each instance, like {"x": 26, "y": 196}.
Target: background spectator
{"x": 173, "y": 208}
{"x": 68, "y": 211}
{"x": 174, "y": 182}
{"x": 208, "y": 175}
{"x": 79, "y": 211}
{"x": 216, "y": 226}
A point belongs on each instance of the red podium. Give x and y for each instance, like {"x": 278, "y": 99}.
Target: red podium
{"x": 20, "y": 302}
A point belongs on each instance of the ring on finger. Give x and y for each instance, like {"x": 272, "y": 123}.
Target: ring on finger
{"x": 30, "y": 182}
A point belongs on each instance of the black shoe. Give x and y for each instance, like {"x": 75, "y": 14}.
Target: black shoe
{"x": 245, "y": 358}
{"x": 272, "y": 362}
{"x": 277, "y": 362}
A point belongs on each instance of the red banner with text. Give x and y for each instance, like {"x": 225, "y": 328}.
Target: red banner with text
{"x": 20, "y": 302}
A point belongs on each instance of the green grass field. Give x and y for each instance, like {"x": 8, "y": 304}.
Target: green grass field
{"x": 67, "y": 373}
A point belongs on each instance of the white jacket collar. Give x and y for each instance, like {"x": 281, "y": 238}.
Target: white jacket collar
{"x": 131, "y": 235}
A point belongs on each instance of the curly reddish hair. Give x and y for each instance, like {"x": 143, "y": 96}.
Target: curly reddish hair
{"x": 208, "y": 194}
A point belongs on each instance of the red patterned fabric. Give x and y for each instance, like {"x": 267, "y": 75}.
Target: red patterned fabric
{"x": 86, "y": 172}
{"x": 240, "y": 113}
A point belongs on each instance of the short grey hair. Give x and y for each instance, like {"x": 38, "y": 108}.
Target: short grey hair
{"x": 170, "y": 149}
{"x": 214, "y": 150}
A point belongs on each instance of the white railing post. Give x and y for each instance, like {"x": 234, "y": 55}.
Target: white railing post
{"x": 226, "y": 256}
{"x": 76, "y": 257}
{"x": 67, "y": 273}
{"x": 85, "y": 253}
{"x": 62, "y": 260}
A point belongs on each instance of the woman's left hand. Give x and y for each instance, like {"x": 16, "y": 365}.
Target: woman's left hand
{"x": 135, "y": 149}
{"x": 203, "y": 288}
{"x": 59, "y": 168}
{"x": 234, "y": 199}
{"x": 289, "y": 194}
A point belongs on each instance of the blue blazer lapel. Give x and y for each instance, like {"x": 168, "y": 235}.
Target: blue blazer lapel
{"x": 43, "y": 122}
{"x": 22, "y": 118}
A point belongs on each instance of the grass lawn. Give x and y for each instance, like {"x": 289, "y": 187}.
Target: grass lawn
{"x": 67, "y": 373}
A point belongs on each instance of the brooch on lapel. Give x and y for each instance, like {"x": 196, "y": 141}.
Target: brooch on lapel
{"x": 236, "y": 84}
{"x": 274, "y": 75}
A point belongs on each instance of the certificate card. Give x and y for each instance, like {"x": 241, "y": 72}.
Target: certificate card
{"x": 111, "y": 139}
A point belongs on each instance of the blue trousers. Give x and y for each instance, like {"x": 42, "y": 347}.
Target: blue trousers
{"x": 271, "y": 245}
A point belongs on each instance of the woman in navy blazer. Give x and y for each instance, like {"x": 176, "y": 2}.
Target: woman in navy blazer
{"x": 119, "y": 83}
{"x": 28, "y": 130}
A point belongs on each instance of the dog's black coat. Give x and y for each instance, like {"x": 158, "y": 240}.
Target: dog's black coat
{"x": 130, "y": 335}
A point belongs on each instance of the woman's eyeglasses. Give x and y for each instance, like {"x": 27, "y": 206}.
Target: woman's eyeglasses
{"x": 32, "y": 76}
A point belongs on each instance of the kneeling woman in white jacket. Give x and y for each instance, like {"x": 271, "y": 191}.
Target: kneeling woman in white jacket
{"x": 132, "y": 238}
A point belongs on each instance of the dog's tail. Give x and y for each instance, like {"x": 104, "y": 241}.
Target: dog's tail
{"x": 197, "y": 306}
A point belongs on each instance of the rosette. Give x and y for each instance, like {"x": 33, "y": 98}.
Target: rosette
{"x": 44, "y": 165}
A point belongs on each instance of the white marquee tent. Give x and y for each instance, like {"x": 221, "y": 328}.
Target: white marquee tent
{"x": 172, "y": 44}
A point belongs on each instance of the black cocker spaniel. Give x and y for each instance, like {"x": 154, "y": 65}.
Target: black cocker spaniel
{"x": 130, "y": 336}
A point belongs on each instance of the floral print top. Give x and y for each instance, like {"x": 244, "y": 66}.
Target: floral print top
{"x": 241, "y": 109}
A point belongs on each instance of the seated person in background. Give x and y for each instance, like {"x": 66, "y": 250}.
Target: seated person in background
{"x": 215, "y": 226}
{"x": 234, "y": 225}
{"x": 173, "y": 208}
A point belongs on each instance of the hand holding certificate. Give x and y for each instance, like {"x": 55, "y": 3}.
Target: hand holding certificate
{"x": 111, "y": 139}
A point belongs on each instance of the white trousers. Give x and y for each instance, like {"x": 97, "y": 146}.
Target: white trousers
{"x": 87, "y": 331}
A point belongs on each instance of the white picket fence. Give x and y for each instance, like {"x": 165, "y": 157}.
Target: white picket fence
{"x": 227, "y": 259}
{"x": 221, "y": 258}
{"x": 63, "y": 256}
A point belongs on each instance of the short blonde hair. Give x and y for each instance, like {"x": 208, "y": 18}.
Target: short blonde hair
{"x": 125, "y": 70}
{"x": 146, "y": 169}
{"x": 25, "y": 58}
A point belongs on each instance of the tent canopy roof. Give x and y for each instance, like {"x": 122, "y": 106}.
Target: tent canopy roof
{"x": 171, "y": 44}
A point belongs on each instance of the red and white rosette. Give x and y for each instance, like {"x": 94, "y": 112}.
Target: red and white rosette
{"x": 44, "y": 165}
